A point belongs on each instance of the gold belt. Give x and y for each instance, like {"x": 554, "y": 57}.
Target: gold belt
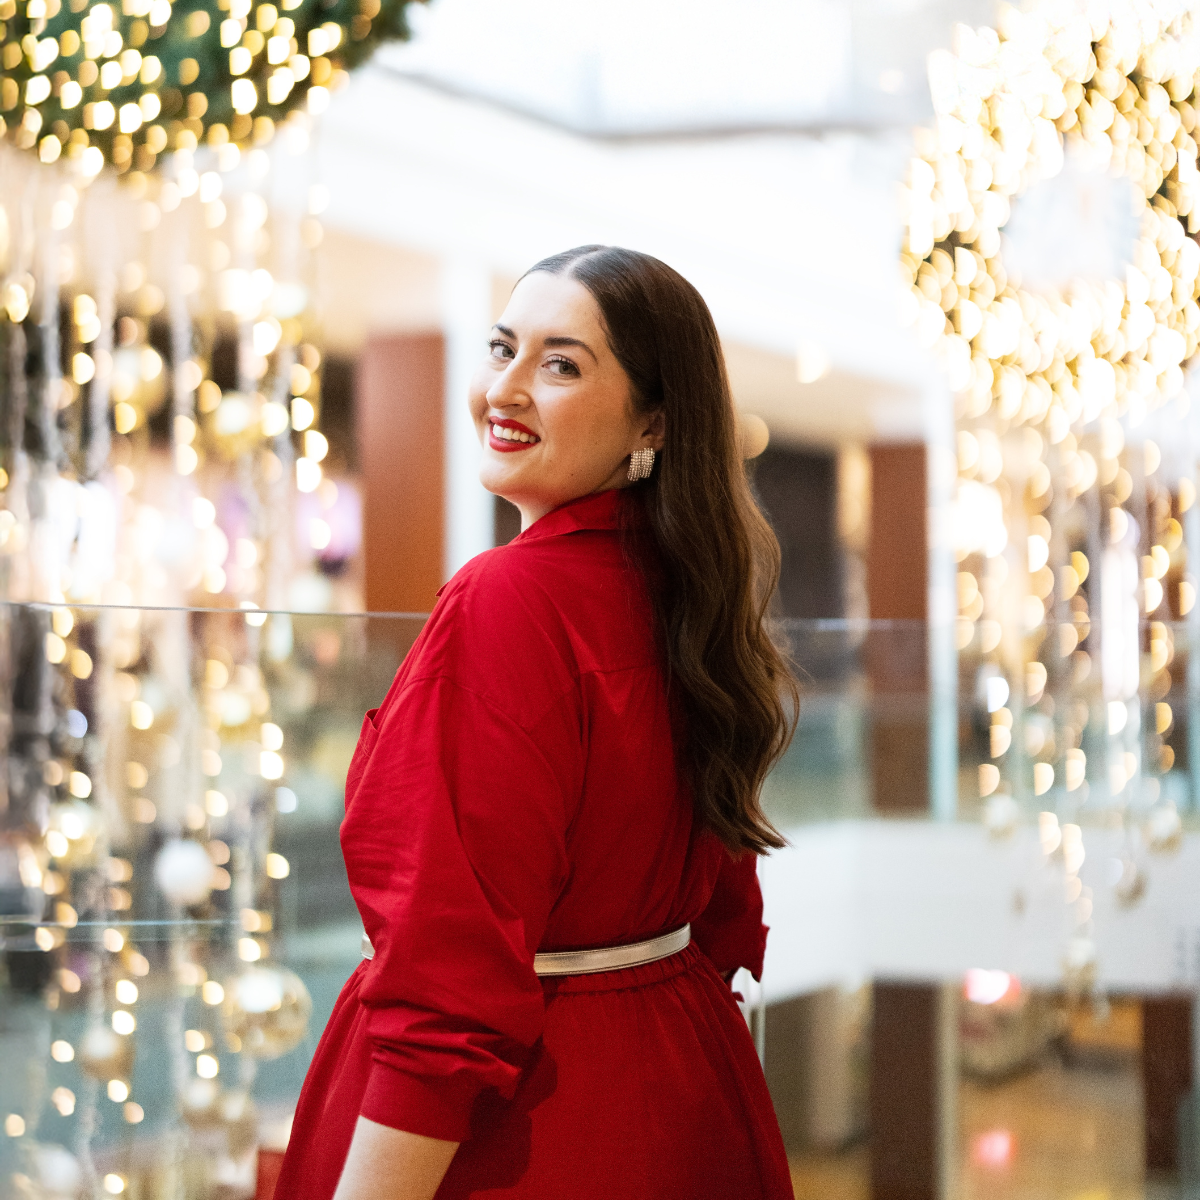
{"x": 589, "y": 962}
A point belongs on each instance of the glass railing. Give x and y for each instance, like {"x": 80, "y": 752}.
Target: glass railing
{"x": 175, "y": 919}
{"x": 174, "y": 914}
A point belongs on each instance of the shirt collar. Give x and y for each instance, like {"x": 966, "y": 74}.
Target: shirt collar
{"x": 601, "y": 510}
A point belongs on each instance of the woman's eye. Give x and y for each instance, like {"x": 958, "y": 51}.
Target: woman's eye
{"x": 562, "y": 366}
{"x": 500, "y": 349}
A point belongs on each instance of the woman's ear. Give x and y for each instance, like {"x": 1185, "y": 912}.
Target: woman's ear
{"x": 656, "y": 430}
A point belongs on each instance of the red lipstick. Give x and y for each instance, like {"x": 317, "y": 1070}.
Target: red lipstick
{"x": 504, "y": 445}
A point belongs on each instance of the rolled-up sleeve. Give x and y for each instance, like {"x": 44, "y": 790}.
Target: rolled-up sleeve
{"x": 455, "y": 846}
{"x": 730, "y": 931}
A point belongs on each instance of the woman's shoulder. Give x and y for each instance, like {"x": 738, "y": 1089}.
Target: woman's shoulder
{"x": 498, "y": 630}
{"x": 542, "y": 579}
{"x": 539, "y": 612}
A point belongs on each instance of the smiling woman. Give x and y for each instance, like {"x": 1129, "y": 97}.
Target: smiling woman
{"x": 553, "y": 817}
{"x": 553, "y": 405}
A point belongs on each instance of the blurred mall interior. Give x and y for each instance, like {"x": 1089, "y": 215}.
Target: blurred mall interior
{"x": 950, "y": 249}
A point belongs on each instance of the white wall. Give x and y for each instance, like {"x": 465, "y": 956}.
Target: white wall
{"x": 925, "y": 900}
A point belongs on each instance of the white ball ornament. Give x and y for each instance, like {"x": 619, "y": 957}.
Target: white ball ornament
{"x": 57, "y": 1171}
{"x": 184, "y": 872}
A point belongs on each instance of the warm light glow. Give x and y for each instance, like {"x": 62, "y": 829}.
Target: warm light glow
{"x": 303, "y": 413}
{"x": 320, "y": 533}
{"x": 125, "y": 417}
{"x": 244, "y": 95}
{"x": 1049, "y": 834}
{"x": 316, "y": 446}
{"x": 204, "y": 512}
{"x": 1043, "y": 778}
{"x": 308, "y": 475}
{"x": 274, "y": 419}
{"x": 1075, "y": 769}
{"x": 812, "y": 362}
{"x": 989, "y": 987}
{"x": 56, "y": 648}
{"x": 994, "y": 1149}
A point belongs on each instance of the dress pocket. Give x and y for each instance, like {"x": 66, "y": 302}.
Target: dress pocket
{"x": 368, "y": 736}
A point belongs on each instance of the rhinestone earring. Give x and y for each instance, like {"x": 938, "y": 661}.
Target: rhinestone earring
{"x": 641, "y": 463}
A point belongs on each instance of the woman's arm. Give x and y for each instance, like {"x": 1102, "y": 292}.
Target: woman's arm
{"x": 390, "y": 1164}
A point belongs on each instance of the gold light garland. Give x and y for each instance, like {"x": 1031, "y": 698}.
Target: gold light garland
{"x": 1055, "y": 500}
{"x": 122, "y": 83}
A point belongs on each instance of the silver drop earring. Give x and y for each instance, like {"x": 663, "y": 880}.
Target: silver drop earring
{"x": 641, "y": 463}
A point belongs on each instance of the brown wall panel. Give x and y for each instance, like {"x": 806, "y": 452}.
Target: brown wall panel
{"x": 1166, "y": 1076}
{"x": 896, "y": 657}
{"x": 400, "y": 402}
{"x": 897, "y": 560}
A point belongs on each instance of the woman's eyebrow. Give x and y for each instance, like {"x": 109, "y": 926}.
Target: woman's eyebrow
{"x": 550, "y": 341}
{"x": 570, "y": 341}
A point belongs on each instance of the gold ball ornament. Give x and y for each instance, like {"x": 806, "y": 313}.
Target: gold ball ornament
{"x": 239, "y": 1117}
{"x": 754, "y": 435}
{"x": 20, "y": 877}
{"x": 198, "y": 1103}
{"x": 105, "y": 1055}
{"x": 71, "y": 833}
{"x": 267, "y": 1009}
{"x": 1079, "y": 966}
{"x": 1000, "y": 816}
{"x": 1130, "y": 887}
{"x": 1164, "y": 830}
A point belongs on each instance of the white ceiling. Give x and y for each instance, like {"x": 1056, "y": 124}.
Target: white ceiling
{"x": 633, "y": 67}
{"x": 463, "y": 147}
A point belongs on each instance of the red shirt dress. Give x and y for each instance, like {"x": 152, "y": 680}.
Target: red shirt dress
{"x": 517, "y": 792}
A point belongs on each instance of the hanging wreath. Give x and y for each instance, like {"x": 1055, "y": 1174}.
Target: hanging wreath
{"x": 124, "y": 80}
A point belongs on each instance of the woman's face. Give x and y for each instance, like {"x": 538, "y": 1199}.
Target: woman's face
{"x": 552, "y": 405}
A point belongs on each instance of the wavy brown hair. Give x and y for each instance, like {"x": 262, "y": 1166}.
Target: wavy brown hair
{"x": 719, "y": 558}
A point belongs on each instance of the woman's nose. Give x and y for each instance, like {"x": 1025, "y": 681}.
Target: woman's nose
{"x": 508, "y": 390}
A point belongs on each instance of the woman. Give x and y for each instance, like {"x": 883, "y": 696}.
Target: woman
{"x": 570, "y": 760}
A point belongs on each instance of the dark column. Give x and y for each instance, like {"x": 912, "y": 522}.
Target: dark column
{"x": 400, "y": 404}
{"x": 1166, "y": 1077}
{"x": 798, "y": 491}
{"x": 896, "y": 655}
{"x": 904, "y": 1099}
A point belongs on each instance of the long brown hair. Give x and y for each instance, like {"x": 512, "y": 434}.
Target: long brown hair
{"x": 719, "y": 557}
